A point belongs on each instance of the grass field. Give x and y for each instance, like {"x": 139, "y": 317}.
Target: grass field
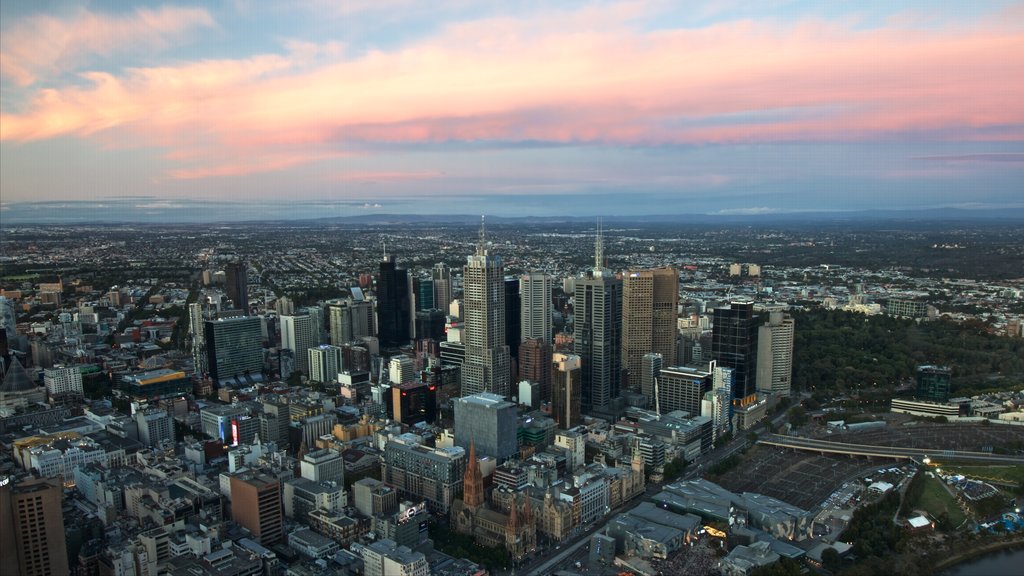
{"x": 936, "y": 500}
{"x": 20, "y": 278}
{"x": 1012, "y": 474}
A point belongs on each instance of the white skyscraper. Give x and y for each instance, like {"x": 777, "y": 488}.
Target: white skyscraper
{"x": 324, "y": 363}
{"x": 298, "y": 334}
{"x": 442, "y": 278}
{"x": 487, "y": 367}
{"x": 535, "y": 313}
{"x": 775, "y": 354}
{"x": 60, "y": 381}
{"x": 401, "y": 370}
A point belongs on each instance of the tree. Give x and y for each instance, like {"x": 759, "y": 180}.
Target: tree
{"x": 797, "y": 416}
{"x": 830, "y": 559}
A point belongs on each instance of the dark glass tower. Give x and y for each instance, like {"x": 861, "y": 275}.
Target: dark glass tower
{"x": 237, "y": 285}
{"x": 513, "y": 309}
{"x": 393, "y": 306}
{"x": 734, "y": 345}
{"x": 597, "y": 333}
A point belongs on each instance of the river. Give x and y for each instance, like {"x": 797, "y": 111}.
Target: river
{"x": 1003, "y": 563}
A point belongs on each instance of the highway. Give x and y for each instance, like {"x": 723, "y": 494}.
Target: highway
{"x": 828, "y": 447}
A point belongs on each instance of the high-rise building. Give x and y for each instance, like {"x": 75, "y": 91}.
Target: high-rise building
{"x": 490, "y": 421}
{"x": 198, "y": 336}
{"x": 256, "y": 506}
{"x": 933, "y": 383}
{"x": 535, "y": 315}
{"x": 418, "y": 471}
{"x": 535, "y": 365}
{"x": 734, "y": 345}
{"x": 441, "y": 276}
{"x": 513, "y": 314}
{"x": 487, "y": 367}
{"x": 32, "y": 528}
{"x": 324, "y": 363}
{"x": 394, "y": 307}
{"x": 650, "y": 366}
{"x": 682, "y": 388}
{"x": 234, "y": 347}
{"x": 237, "y": 285}
{"x": 63, "y": 381}
{"x": 350, "y": 319}
{"x": 423, "y": 289}
{"x": 298, "y": 334}
{"x": 649, "y": 302}
{"x": 323, "y": 466}
{"x": 597, "y": 333}
{"x": 155, "y": 426}
{"x": 566, "y": 376}
{"x": 401, "y": 369}
{"x": 414, "y": 402}
{"x": 775, "y": 354}
{"x": 430, "y": 325}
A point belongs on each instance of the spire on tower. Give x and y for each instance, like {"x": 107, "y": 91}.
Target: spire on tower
{"x": 482, "y": 244}
{"x": 599, "y": 248}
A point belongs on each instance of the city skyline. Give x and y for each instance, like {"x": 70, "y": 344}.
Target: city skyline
{"x": 172, "y": 112}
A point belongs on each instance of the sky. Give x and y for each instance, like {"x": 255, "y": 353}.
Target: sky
{"x": 246, "y": 109}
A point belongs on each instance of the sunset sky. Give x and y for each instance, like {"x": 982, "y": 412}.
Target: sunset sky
{"x": 317, "y": 108}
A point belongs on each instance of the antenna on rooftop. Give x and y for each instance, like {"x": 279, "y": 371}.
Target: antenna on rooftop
{"x": 599, "y": 248}
{"x": 483, "y": 238}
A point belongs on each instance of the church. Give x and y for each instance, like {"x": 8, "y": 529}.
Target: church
{"x": 516, "y": 531}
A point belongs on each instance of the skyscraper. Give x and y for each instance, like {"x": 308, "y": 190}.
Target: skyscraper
{"x": 566, "y": 374}
{"x": 649, "y": 302}
{"x": 535, "y": 316}
{"x": 234, "y": 347}
{"x": 734, "y": 345}
{"x": 535, "y": 365}
{"x": 423, "y": 288}
{"x": 775, "y": 354}
{"x": 198, "y": 335}
{"x": 683, "y": 388}
{"x": 487, "y": 367}
{"x": 298, "y": 334}
{"x": 350, "y": 319}
{"x": 597, "y": 328}
{"x": 489, "y": 421}
{"x": 442, "y": 279}
{"x": 513, "y": 312}
{"x": 650, "y": 367}
{"x": 394, "y": 309}
{"x": 256, "y": 505}
{"x": 32, "y": 528}
{"x": 237, "y": 285}
{"x": 324, "y": 363}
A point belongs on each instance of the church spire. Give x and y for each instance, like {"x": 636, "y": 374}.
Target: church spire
{"x": 473, "y": 480}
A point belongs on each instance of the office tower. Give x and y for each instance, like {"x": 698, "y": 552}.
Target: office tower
{"x": 32, "y": 528}
{"x": 430, "y": 325}
{"x": 394, "y": 310}
{"x": 387, "y": 558}
{"x": 487, "y": 367}
{"x": 350, "y": 319}
{"x": 401, "y": 369}
{"x": 513, "y": 315}
{"x": 682, "y": 388}
{"x": 490, "y": 421}
{"x": 775, "y": 354}
{"x": 649, "y": 302}
{"x": 535, "y": 318}
{"x": 155, "y": 426}
{"x": 234, "y": 347}
{"x": 324, "y": 363}
{"x": 323, "y": 466}
{"x": 237, "y": 285}
{"x": 418, "y": 471}
{"x": 535, "y": 365}
{"x": 414, "y": 402}
{"x": 933, "y": 383}
{"x": 650, "y": 366}
{"x": 423, "y": 288}
{"x": 316, "y": 317}
{"x": 734, "y": 345}
{"x": 566, "y": 376}
{"x": 298, "y": 334}
{"x": 284, "y": 306}
{"x": 63, "y": 381}
{"x": 442, "y": 280}
{"x": 373, "y": 497}
{"x": 198, "y": 335}
{"x": 256, "y": 506}
{"x": 597, "y": 333}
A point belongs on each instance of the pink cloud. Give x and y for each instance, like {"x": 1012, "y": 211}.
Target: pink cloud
{"x": 44, "y": 45}
{"x": 581, "y": 77}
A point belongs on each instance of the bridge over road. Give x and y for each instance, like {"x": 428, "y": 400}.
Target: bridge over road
{"x": 828, "y": 447}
